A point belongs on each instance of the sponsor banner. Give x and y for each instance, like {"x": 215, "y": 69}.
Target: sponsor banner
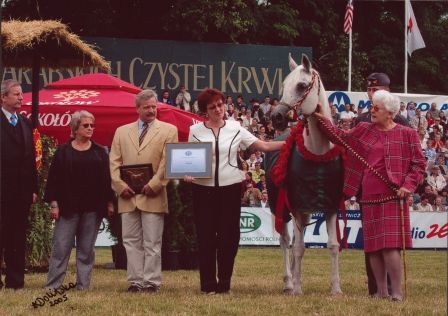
{"x": 104, "y": 239}
{"x": 362, "y": 102}
{"x": 429, "y": 230}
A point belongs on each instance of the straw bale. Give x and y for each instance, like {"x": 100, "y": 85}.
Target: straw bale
{"x": 49, "y": 39}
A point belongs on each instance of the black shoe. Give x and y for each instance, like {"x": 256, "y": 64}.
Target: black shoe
{"x": 134, "y": 289}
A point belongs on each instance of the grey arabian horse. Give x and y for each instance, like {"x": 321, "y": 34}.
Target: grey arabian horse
{"x": 312, "y": 176}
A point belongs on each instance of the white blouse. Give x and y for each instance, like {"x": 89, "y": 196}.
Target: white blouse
{"x": 224, "y": 151}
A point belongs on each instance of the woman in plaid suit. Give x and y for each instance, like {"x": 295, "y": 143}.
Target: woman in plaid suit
{"x": 395, "y": 152}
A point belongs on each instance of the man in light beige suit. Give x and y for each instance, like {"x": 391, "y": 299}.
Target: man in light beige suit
{"x": 142, "y": 213}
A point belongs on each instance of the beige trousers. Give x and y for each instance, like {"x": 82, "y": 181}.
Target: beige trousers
{"x": 142, "y": 238}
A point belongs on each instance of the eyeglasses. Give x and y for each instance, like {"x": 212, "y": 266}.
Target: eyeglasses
{"x": 376, "y": 108}
{"x": 87, "y": 125}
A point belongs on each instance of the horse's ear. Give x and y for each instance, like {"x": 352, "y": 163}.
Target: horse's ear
{"x": 306, "y": 63}
{"x": 292, "y": 64}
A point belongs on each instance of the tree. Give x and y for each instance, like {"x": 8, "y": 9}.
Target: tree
{"x": 378, "y": 30}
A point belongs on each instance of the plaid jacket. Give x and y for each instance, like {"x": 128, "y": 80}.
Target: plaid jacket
{"x": 405, "y": 163}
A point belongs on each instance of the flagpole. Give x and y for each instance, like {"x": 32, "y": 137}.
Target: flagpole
{"x": 350, "y": 61}
{"x": 406, "y": 14}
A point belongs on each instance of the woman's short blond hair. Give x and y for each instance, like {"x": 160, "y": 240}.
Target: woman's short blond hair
{"x": 76, "y": 120}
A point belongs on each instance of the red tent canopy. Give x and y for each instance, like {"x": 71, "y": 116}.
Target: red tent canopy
{"x": 109, "y": 99}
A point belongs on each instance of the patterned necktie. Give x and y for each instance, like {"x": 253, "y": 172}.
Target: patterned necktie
{"x": 13, "y": 120}
{"x": 143, "y": 134}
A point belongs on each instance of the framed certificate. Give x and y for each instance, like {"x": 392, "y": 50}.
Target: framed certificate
{"x": 192, "y": 159}
{"x": 136, "y": 176}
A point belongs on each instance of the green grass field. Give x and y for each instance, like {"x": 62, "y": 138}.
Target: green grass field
{"x": 256, "y": 290}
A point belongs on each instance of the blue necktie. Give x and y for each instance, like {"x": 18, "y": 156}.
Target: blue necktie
{"x": 13, "y": 120}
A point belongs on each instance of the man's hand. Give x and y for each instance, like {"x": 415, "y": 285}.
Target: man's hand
{"x": 148, "y": 191}
{"x": 127, "y": 193}
{"x": 189, "y": 179}
{"x": 34, "y": 197}
{"x": 110, "y": 209}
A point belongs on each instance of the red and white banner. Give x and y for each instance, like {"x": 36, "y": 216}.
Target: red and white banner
{"x": 429, "y": 230}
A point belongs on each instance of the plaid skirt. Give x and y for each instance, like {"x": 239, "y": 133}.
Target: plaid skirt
{"x": 381, "y": 224}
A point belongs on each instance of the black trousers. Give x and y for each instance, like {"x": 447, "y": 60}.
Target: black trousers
{"x": 13, "y": 225}
{"x": 217, "y": 217}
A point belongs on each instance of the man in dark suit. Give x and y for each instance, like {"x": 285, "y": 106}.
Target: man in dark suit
{"x": 18, "y": 182}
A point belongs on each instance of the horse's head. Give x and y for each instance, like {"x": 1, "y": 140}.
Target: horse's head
{"x": 303, "y": 89}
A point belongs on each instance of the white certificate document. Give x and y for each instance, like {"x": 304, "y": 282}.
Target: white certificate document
{"x": 188, "y": 160}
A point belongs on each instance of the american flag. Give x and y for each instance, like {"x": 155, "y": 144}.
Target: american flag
{"x": 348, "y": 17}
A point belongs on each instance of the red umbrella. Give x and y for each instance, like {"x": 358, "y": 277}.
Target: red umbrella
{"x": 109, "y": 99}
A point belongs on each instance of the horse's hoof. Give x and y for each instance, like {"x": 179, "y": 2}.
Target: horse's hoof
{"x": 337, "y": 292}
{"x": 297, "y": 292}
{"x": 287, "y": 291}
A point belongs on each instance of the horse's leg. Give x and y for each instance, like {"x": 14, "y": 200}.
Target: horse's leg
{"x": 298, "y": 250}
{"x": 285, "y": 241}
{"x": 333, "y": 247}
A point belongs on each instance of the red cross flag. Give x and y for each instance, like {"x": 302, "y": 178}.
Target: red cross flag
{"x": 415, "y": 39}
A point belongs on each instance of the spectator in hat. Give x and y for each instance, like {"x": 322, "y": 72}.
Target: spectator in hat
{"x": 351, "y": 204}
{"x": 378, "y": 81}
{"x": 257, "y": 113}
